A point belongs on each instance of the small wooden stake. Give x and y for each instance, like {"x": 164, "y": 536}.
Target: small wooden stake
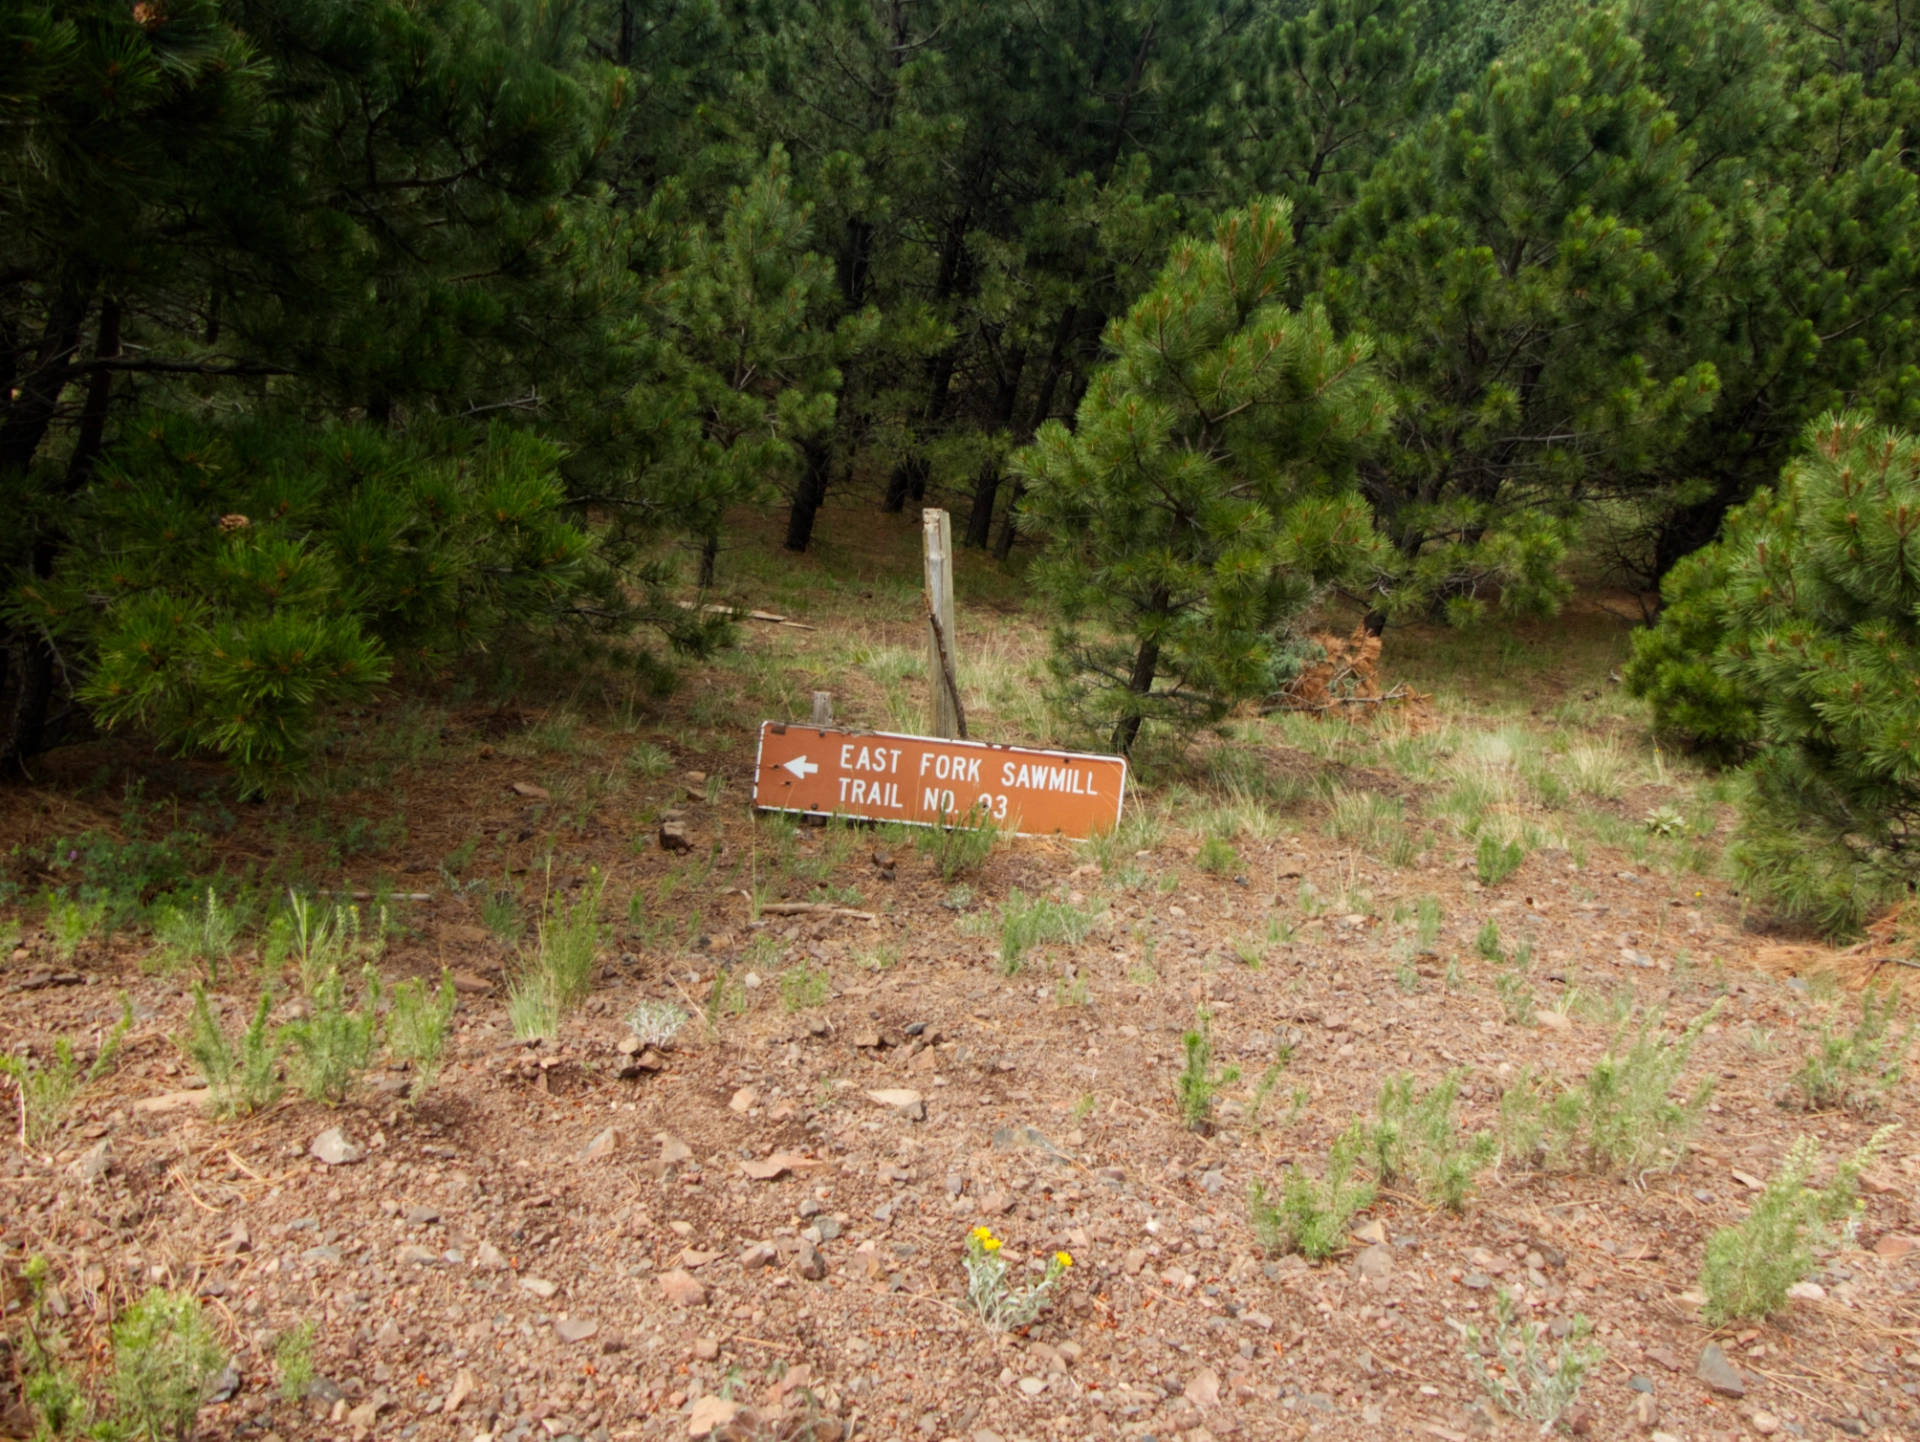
{"x": 943, "y": 660}
{"x": 823, "y": 708}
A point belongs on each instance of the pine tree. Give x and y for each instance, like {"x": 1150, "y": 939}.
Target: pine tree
{"x": 1204, "y": 498}
{"x": 1516, "y": 259}
{"x": 1817, "y": 586}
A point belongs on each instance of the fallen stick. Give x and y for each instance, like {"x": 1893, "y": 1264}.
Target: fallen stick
{"x": 376, "y": 896}
{"x": 812, "y": 908}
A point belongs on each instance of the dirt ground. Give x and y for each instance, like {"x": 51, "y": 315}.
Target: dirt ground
{"x": 566, "y": 1239}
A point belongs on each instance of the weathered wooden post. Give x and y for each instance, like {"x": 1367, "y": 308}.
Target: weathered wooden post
{"x": 823, "y": 708}
{"x": 943, "y": 661}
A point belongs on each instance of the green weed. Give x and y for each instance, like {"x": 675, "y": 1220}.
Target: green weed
{"x": 202, "y": 933}
{"x": 1027, "y": 922}
{"x": 1417, "y": 1139}
{"x": 1217, "y": 856}
{"x": 47, "y": 1092}
{"x": 958, "y": 845}
{"x": 333, "y": 1043}
{"x": 70, "y": 925}
{"x": 165, "y": 1356}
{"x": 1495, "y": 861}
{"x": 419, "y": 1025}
{"x": 293, "y": 1359}
{"x": 1198, "y": 1083}
{"x": 244, "y": 1074}
{"x": 804, "y": 986}
{"x": 1310, "y": 1217}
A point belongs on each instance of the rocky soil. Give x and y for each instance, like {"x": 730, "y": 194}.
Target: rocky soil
{"x": 757, "y": 1231}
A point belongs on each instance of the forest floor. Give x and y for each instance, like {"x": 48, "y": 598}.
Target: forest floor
{"x": 556, "y": 1240}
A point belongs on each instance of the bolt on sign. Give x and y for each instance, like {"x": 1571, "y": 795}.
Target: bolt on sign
{"x": 929, "y": 781}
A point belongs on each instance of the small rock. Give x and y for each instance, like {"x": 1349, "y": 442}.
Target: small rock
{"x": 681, "y": 1288}
{"x": 1643, "y": 1412}
{"x": 415, "y": 1255}
{"x": 1476, "y": 1281}
{"x": 333, "y": 1149}
{"x": 1765, "y": 1423}
{"x": 489, "y": 1258}
{"x": 603, "y": 1145}
{"x": 744, "y": 1101}
{"x": 1203, "y": 1390}
{"x": 705, "y": 1349}
{"x": 1718, "y": 1373}
{"x": 673, "y": 837}
{"x": 92, "y": 1164}
{"x": 1134, "y": 1262}
{"x": 673, "y": 1151}
{"x": 1665, "y": 1357}
{"x": 531, "y": 792}
{"x": 174, "y": 1101}
{"x": 539, "y": 1287}
{"x": 1553, "y": 1020}
{"x": 1807, "y": 1292}
{"x": 575, "y": 1329}
{"x": 773, "y": 1168}
{"x": 362, "y": 1418}
{"x": 1033, "y": 1386}
{"x": 1891, "y": 1247}
{"x": 710, "y": 1412}
{"x": 809, "y": 1263}
{"x": 1374, "y": 1263}
{"x": 757, "y": 1255}
{"x": 462, "y": 1388}
{"x": 907, "y": 1102}
{"x": 1373, "y": 1234}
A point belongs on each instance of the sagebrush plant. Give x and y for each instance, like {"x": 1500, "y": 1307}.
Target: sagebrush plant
{"x": 165, "y": 1357}
{"x": 1310, "y": 1217}
{"x": 1487, "y": 941}
{"x": 1197, "y": 1083}
{"x": 419, "y": 1024}
{"x": 1001, "y": 1305}
{"x": 333, "y": 1043}
{"x": 656, "y": 1023}
{"x": 1622, "y": 1118}
{"x": 243, "y": 1073}
{"x": 1526, "y": 1378}
{"x": 1854, "y": 1069}
{"x": 1748, "y": 1267}
{"x": 47, "y": 1091}
{"x": 1417, "y": 1138}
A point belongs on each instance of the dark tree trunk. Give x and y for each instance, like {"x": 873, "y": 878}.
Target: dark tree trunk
{"x": 709, "y": 560}
{"x": 93, "y": 414}
{"x": 1146, "y": 662}
{"x": 811, "y": 494}
{"x": 986, "y": 489}
{"x": 26, "y": 695}
{"x": 38, "y": 391}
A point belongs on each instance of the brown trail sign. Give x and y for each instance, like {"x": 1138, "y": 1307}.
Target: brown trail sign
{"x": 924, "y": 781}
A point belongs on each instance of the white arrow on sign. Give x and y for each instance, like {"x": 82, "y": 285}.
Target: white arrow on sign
{"x": 800, "y": 767}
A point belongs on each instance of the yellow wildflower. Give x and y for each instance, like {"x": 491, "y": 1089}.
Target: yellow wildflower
{"x": 992, "y": 1244}
{"x": 982, "y": 1233}
{"x": 1063, "y": 1259}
